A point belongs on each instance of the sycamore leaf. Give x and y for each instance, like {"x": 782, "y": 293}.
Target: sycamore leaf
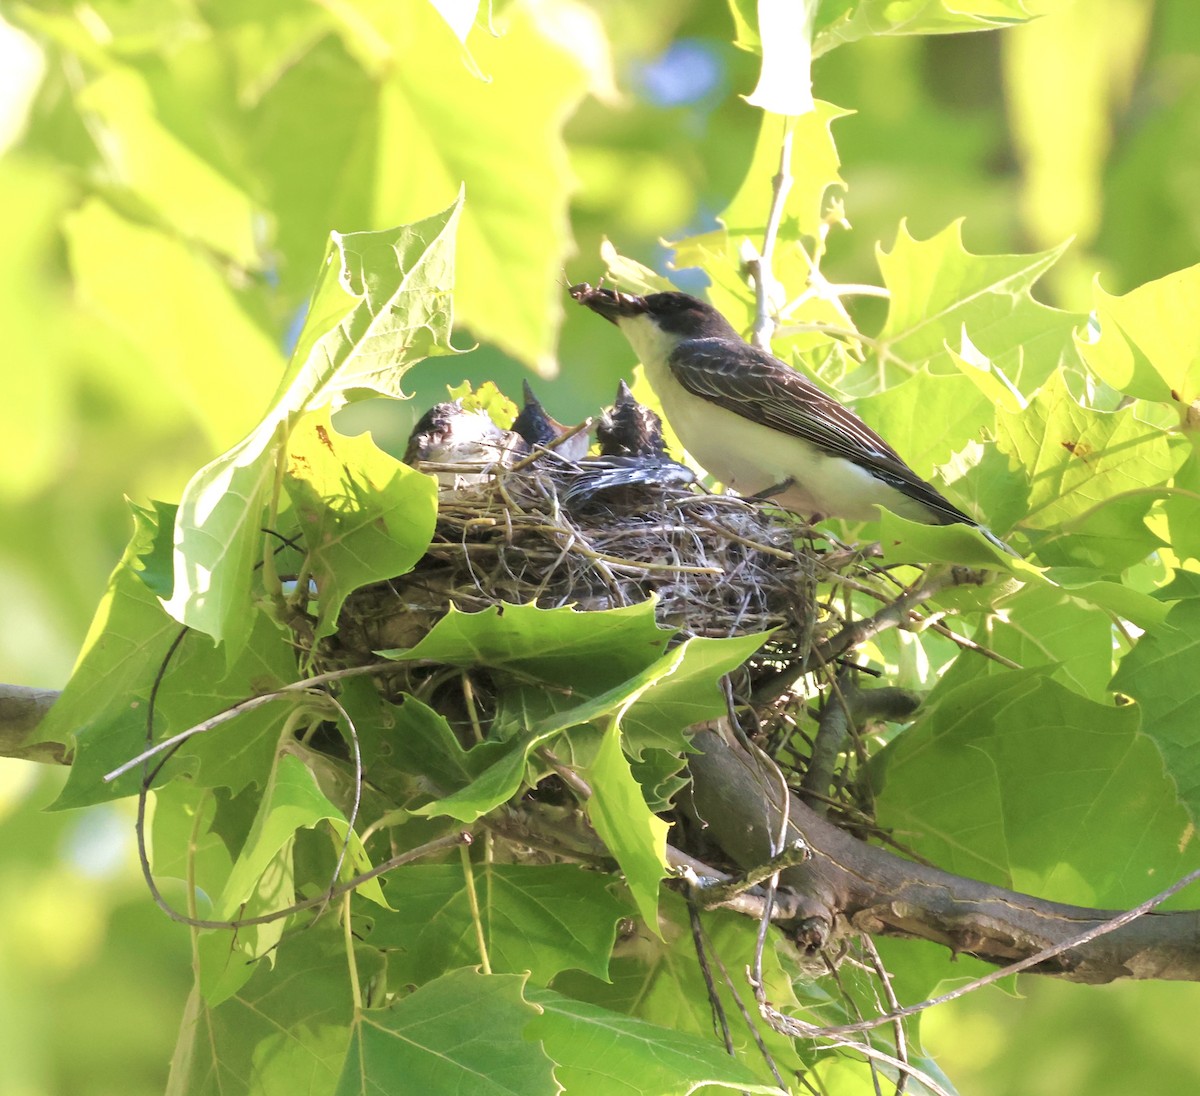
{"x": 365, "y": 516}
{"x": 291, "y": 801}
{"x": 598, "y": 1052}
{"x": 633, "y": 834}
{"x": 1160, "y": 674}
{"x": 274, "y": 1034}
{"x": 659, "y": 983}
{"x": 382, "y": 303}
{"x": 1074, "y": 459}
{"x": 180, "y": 186}
{"x": 541, "y": 918}
{"x": 661, "y": 706}
{"x": 502, "y": 780}
{"x": 128, "y": 639}
{"x": 460, "y": 1033}
{"x": 843, "y": 21}
{"x": 1149, "y": 343}
{"x": 939, "y": 290}
{"x": 501, "y": 136}
{"x": 914, "y": 542}
{"x": 1043, "y": 626}
{"x": 1050, "y": 781}
{"x": 103, "y": 709}
{"x": 197, "y": 683}
{"x": 815, "y": 164}
{"x": 587, "y": 651}
{"x": 689, "y": 694}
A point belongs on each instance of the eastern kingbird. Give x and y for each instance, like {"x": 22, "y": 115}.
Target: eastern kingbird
{"x": 759, "y": 426}
{"x": 629, "y": 428}
{"x": 449, "y": 435}
{"x": 632, "y": 453}
{"x": 538, "y": 429}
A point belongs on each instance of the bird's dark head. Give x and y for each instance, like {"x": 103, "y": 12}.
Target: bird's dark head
{"x": 677, "y": 314}
{"x": 629, "y": 429}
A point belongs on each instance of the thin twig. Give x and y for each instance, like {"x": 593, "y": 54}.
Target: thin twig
{"x": 781, "y": 184}
{"x": 284, "y": 692}
{"x": 885, "y": 980}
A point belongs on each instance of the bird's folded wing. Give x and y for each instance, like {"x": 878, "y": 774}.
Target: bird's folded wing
{"x": 758, "y": 386}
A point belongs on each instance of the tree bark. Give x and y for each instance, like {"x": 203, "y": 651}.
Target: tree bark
{"x": 21, "y": 710}
{"x": 849, "y": 886}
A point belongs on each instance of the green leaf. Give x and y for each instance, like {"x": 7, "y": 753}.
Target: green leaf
{"x": 659, "y": 705}
{"x": 128, "y": 639}
{"x": 1044, "y": 626}
{"x": 365, "y": 516}
{"x": 1160, "y": 674}
{"x": 1149, "y": 343}
{"x": 195, "y": 686}
{"x": 291, "y": 801}
{"x": 939, "y": 290}
{"x": 502, "y": 780}
{"x": 903, "y": 414}
{"x": 842, "y": 21}
{"x": 815, "y": 164}
{"x": 200, "y": 340}
{"x": 421, "y": 741}
{"x": 914, "y": 542}
{"x": 541, "y": 918}
{"x": 618, "y": 811}
{"x": 1075, "y": 459}
{"x": 276, "y": 1034}
{"x": 181, "y": 187}
{"x": 1107, "y": 539}
{"x": 689, "y": 694}
{"x": 658, "y": 981}
{"x": 1016, "y": 780}
{"x": 598, "y": 1052}
{"x": 154, "y": 564}
{"x": 383, "y": 302}
{"x": 588, "y": 651}
{"x": 460, "y": 1033}
{"x": 501, "y": 136}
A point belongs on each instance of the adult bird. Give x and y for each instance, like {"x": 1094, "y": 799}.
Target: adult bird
{"x": 759, "y": 426}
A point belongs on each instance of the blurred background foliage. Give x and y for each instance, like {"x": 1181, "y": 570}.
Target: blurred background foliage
{"x": 170, "y": 173}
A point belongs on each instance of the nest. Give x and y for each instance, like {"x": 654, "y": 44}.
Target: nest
{"x": 718, "y": 566}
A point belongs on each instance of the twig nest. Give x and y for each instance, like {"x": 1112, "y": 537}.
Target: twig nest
{"x": 717, "y": 565}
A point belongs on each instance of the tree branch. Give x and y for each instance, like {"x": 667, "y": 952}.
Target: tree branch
{"x": 850, "y": 886}
{"x": 21, "y": 710}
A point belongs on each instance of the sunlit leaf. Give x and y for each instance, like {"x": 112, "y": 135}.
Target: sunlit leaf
{"x": 1074, "y": 459}
{"x": 939, "y": 290}
{"x": 1149, "y": 344}
{"x": 364, "y": 515}
{"x": 618, "y": 811}
{"x": 1159, "y": 674}
{"x": 381, "y": 304}
{"x": 842, "y": 21}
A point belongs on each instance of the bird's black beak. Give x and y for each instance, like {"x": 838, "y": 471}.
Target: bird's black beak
{"x": 609, "y": 303}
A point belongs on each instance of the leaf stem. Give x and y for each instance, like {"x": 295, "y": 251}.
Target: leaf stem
{"x": 473, "y": 902}
{"x": 351, "y": 959}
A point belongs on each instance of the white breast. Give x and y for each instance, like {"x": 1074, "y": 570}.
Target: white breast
{"x": 750, "y": 457}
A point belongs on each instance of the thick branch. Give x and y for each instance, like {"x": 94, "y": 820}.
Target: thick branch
{"x": 848, "y": 885}
{"x": 21, "y": 710}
